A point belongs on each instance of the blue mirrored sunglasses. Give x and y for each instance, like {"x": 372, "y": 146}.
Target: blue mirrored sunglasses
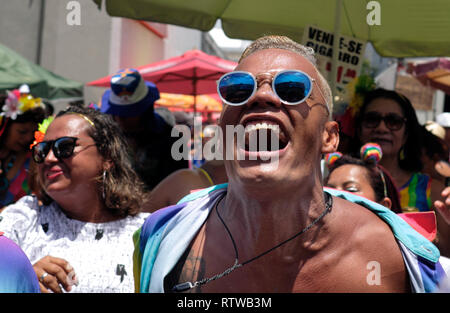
{"x": 291, "y": 86}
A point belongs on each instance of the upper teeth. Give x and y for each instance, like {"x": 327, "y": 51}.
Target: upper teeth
{"x": 257, "y": 126}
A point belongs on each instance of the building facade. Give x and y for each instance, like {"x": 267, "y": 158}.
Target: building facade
{"x": 78, "y": 41}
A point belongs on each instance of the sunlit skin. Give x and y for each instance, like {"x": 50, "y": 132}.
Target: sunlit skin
{"x": 182, "y": 182}
{"x": 352, "y": 178}
{"x": 305, "y": 120}
{"x": 71, "y": 182}
{"x": 355, "y": 179}
{"x": 263, "y": 208}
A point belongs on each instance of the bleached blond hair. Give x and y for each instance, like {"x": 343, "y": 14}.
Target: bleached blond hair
{"x": 283, "y": 42}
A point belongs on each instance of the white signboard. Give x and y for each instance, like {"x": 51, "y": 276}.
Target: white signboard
{"x": 350, "y": 58}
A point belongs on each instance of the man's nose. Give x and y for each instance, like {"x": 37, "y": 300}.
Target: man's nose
{"x": 265, "y": 95}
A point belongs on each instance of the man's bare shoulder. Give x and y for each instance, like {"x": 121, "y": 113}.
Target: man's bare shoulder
{"x": 364, "y": 227}
{"x": 373, "y": 245}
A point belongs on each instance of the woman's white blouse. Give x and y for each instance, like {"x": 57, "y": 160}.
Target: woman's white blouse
{"x": 101, "y": 254}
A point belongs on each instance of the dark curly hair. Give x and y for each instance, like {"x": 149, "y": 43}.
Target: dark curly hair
{"x": 122, "y": 187}
{"x": 414, "y": 142}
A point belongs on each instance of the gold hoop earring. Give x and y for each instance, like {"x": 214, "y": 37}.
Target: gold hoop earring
{"x": 402, "y": 154}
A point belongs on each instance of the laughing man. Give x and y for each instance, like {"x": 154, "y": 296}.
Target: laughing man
{"x": 274, "y": 228}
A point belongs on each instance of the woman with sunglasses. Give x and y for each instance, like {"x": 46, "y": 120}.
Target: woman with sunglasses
{"x": 19, "y": 118}
{"x": 80, "y": 239}
{"x": 388, "y": 118}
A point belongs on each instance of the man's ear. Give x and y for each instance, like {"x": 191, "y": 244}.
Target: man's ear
{"x": 330, "y": 137}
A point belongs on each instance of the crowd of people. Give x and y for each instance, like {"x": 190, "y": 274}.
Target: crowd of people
{"x": 92, "y": 199}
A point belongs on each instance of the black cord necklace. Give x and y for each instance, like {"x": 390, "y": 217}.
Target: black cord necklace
{"x": 188, "y": 285}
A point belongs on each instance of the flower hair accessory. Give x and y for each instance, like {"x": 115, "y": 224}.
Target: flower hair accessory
{"x": 39, "y": 135}
{"x": 17, "y": 104}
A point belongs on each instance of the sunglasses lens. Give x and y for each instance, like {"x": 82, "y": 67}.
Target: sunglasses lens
{"x": 292, "y": 87}
{"x": 394, "y": 121}
{"x": 236, "y": 88}
{"x": 63, "y": 147}
{"x": 40, "y": 151}
{"x": 372, "y": 120}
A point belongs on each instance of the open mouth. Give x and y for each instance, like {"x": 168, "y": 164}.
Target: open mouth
{"x": 264, "y": 135}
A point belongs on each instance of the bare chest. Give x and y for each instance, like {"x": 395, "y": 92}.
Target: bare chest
{"x": 340, "y": 263}
{"x": 211, "y": 268}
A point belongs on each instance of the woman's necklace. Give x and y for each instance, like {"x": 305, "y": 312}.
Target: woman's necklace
{"x": 188, "y": 285}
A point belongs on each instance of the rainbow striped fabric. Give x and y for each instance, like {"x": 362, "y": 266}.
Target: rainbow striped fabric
{"x": 167, "y": 233}
{"x": 415, "y": 195}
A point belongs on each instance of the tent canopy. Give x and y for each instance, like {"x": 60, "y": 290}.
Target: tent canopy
{"x": 15, "y": 70}
{"x": 406, "y": 28}
{"x": 192, "y": 73}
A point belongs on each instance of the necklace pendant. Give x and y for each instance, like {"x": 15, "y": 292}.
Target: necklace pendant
{"x": 183, "y": 287}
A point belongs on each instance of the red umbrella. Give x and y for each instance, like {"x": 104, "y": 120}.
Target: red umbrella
{"x": 434, "y": 73}
{"x": 193, "y": 73}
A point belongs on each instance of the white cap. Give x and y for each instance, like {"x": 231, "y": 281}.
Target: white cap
{"x": 443, "y": 119}
{"x": 435, "y": 129}
{"x": 24, "y": 89}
